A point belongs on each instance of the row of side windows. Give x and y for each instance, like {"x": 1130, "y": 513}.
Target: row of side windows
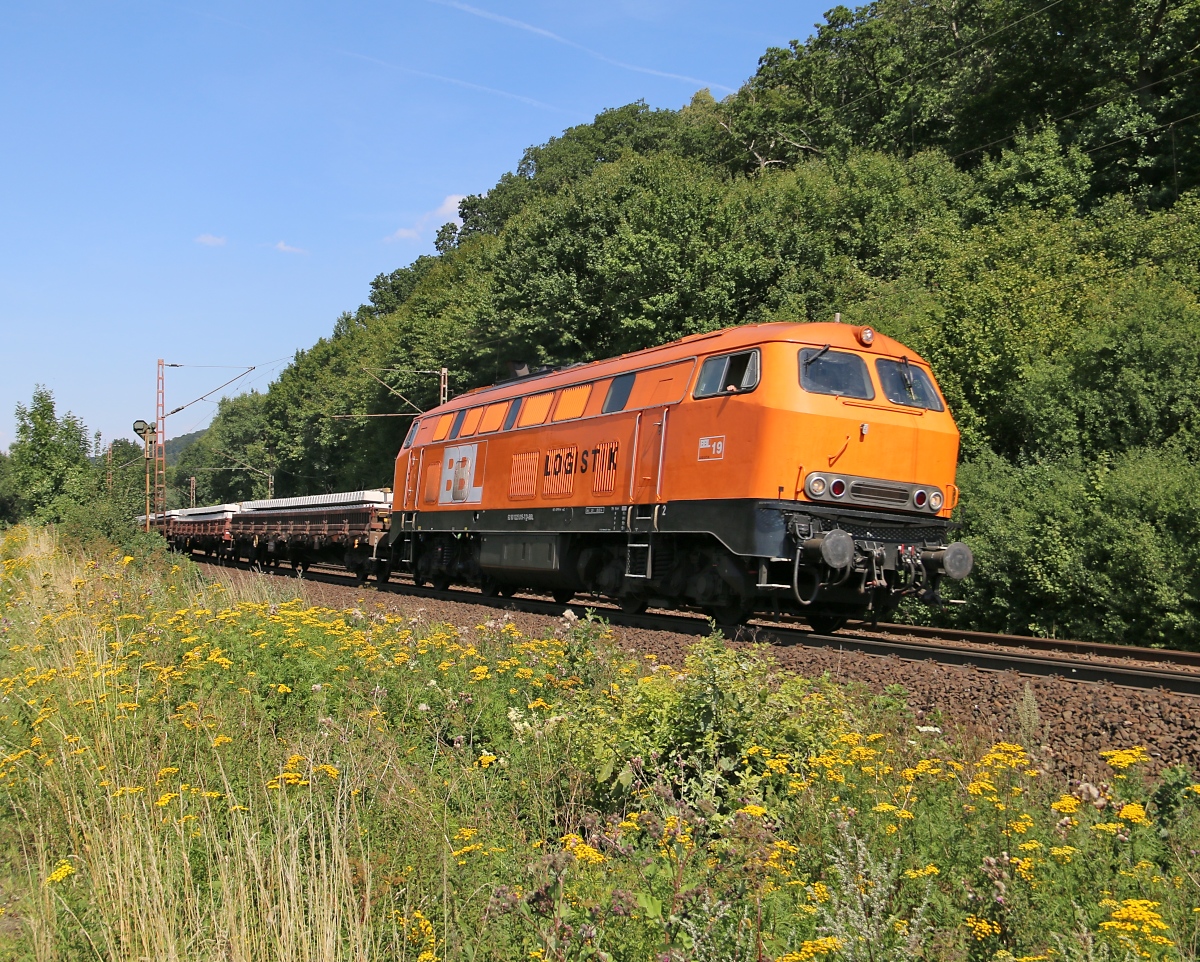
{"x": 667, "y": 384}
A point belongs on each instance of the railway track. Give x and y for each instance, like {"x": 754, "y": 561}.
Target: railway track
{"x": 1175, "y": 671}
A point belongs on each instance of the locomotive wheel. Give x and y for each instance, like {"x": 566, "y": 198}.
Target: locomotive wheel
{"x": 826, "y": 624}
{"x": 440, "y": 582}
{"x": 729, "y": 616}
{"x": 383, "y": 573}
{"x": 507, "y": 591}
{"x": 563, "y": 596}
{"x": 632, "y": 604}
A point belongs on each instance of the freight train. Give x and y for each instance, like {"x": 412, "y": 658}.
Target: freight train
{"x": 767, "y": 468}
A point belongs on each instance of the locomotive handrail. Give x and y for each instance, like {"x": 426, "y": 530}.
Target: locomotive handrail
{"x": 662, "y": 446}
{"x": 633, "y": 455}
{"x": 897, "y": 408}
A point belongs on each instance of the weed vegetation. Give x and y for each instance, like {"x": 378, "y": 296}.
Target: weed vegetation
{"x": 194, "y": 771}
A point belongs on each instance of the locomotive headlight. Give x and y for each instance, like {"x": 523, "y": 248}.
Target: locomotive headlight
{"x": 920, "y": 498}
{"x": 866, "y": 336}
{"x": 935, "y": 500}
{"x": 817, "y": 485}
{"x": 837, "y": 487}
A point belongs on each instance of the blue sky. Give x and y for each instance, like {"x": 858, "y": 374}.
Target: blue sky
{"x": 213, "y": 183}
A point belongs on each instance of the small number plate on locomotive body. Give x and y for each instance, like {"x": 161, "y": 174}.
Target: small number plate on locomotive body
{"x": 711, "y": 449}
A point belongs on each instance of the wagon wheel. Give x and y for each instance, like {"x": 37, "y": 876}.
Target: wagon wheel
{"x": 731, "y": 616}
{"x": 489, "y": 588}
{"x": 440, "y": 582}
{"x": 563, "y": 595}
{"x": 632, "y": 604}
{"x": 825, "y": 624}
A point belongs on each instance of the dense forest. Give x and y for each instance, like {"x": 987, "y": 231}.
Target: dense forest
{"x": 1008, "y": 186}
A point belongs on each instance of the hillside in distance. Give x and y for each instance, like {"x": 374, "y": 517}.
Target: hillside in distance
{"x": 173, "y": 447}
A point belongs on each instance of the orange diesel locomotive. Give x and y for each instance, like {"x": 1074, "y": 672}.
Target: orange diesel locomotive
{"x": 766, "y": 468}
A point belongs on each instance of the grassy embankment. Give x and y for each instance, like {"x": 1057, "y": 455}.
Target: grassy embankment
{"x": 190, "y": 774}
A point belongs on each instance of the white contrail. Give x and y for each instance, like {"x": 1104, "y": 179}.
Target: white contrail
{"x": 550, "y": 35}
{"x": 453, "y": 80}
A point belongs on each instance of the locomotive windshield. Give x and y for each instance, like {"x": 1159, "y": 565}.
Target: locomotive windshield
{"x": 823, "y": 371}
{"x": 907, "y": 384}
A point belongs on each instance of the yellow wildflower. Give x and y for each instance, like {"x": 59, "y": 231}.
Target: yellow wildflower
{"x": 584, "y": 853}
{"x": 981, "y": 928}
{"x": 1123, "y": 758}
{"x": 62, "y": 871}
{"x": 812, "y": 948}
{"x": 1135, "y": 813}
{"x": 1067, "y": 805}
{"x": 1136, "y": 917}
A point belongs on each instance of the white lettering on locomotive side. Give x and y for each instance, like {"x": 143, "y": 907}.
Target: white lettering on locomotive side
{"x": 520, "y": 516}
{"x": 711, "y": 449}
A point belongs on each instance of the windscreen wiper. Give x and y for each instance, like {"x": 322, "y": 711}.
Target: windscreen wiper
{"x": 908, "y": 379}
{"x": 813, "y": 357}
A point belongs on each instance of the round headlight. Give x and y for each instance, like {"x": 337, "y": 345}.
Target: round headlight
{"x": 935, "y": 500}
{"x": 866, "y": 336}
{"x": 837, "y": 487}
{"x": 817, "y": 485}
{"x": 920, "y": 498}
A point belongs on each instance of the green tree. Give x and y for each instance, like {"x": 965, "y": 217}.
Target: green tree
{"x": 9, "y": 500}
{"x": 49, "y": 459}
{"x": 232, "y": 459}
{"x": 968, "y": 77}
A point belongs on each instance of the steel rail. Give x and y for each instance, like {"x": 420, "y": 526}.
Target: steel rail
{"x": 1040, "y": 644}
{"x": 977, "y": 655}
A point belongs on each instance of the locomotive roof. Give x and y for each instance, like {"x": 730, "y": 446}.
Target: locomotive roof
{"x": 818, "y": 333}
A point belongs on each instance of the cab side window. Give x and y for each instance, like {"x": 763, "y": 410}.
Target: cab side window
{"x": 840, "y": 373}
{"x": 728, "y": 374}
{"x": 412, "y": 433}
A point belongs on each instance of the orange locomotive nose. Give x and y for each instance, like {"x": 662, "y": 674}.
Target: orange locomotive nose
{"x": 803, "y": 467}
